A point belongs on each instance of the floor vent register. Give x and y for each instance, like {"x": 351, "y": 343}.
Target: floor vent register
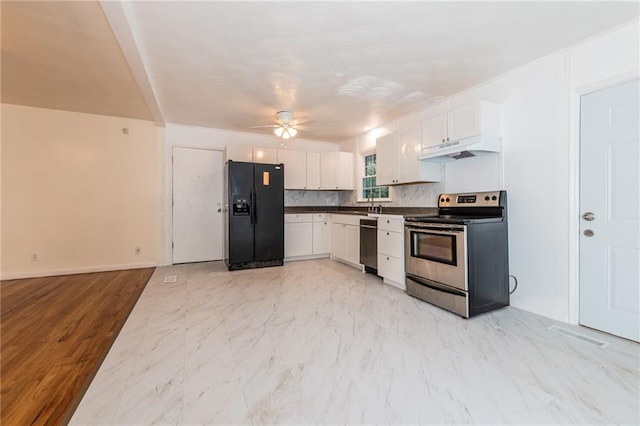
{"x": 579, "y": 336}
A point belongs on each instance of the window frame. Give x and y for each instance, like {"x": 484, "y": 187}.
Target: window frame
{"x": 361, "y": 175}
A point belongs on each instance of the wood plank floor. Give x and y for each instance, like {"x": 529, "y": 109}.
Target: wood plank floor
{"x": 56, "y": 332}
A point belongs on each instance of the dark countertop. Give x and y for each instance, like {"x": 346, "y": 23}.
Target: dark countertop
{"x": 404, "y": 211}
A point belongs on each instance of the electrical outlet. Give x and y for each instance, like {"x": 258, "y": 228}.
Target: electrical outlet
{"x": 138, "y": 250}
{"x": 34, "y": 257}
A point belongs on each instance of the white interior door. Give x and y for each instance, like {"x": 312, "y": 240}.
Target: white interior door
{"x": 609, "y": 194}
{"x": 197, "y": 205}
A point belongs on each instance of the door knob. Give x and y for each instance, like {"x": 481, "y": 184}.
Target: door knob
{"x": 588, "y": 233}
{"x": 219, "y": 210}
{"x": 588, "y": 216}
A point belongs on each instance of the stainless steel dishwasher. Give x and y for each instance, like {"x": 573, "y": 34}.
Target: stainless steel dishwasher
{"x": 369, "y": 244}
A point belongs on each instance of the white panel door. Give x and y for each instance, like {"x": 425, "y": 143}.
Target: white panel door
{"x": 609, "y": 194}
{"x": 197, "y": 204}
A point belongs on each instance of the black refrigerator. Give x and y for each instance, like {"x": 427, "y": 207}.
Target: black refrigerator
{"x": 254, "y": 223}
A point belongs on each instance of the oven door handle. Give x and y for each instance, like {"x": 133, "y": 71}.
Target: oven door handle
{"x": 436, "y": 286}
{"x": 439, "y": 231}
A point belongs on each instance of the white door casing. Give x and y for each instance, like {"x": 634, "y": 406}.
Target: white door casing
{"x": 197, "y": 205}
{"x": 610, "y": 210}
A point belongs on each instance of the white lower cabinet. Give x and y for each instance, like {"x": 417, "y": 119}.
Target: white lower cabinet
{"x": 345, "y": 238}
{"x": 391, "y": 250}
{"x": 306, "y": 235}
{"x": 320, "y": 237}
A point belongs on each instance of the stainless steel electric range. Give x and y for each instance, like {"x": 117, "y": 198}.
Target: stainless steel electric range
{"x": 459, "y": 259}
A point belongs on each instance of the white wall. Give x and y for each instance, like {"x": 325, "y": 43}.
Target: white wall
{"x": 78, "y": 192}
{"x": 218, "y": 139}
{"x": 538, "y": 164}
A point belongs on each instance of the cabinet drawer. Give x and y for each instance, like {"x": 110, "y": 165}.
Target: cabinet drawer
{"x": 390, "y": 243}
{"x": 393, "y": 224}
{"x": 391, "y": 268}
{"x": 319, "y": 217}
{"x": 298, "y": 217}
{"x": 347, "y": 219}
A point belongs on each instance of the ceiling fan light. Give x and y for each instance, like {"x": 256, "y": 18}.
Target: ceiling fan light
{"x": 278, "y": 131}
{"x": 292, "y": 131}
{"x": 286, "y": 135}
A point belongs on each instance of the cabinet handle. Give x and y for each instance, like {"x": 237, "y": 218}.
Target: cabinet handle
{"x": 387, "y": 233}
{"x": 447, "y": 139}
{"x": 387, "y": 220}
{"x": 442, "y": 139}
{"x": 387, "y": 257}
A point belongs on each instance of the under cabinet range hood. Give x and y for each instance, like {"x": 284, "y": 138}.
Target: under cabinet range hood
{"x": 462, "y": 148}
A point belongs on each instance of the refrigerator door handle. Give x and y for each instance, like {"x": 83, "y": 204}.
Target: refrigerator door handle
{"x": 254, "y": 210}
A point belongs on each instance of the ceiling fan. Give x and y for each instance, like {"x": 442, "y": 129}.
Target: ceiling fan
{"x": 286, "y": 126}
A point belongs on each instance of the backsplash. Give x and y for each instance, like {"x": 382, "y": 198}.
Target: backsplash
{"x": 412, "y": 195}
{"x": 311, "y": 198}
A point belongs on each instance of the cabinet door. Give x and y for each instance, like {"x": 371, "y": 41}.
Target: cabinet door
{"x": 265, "y": 155}
{"x": 328, "y": 170}
{"x": 295, "y": 168}
{"x": 391, "y": 243}
{"x": 339, "y": 240}
{"x": 391, "y": 268}
{"x": 320, "y": 238}
{"x": 298, "y": 239}
{"x": 238, "y": 153}
{"x": 353, "y": 244}
{"x": 313, "y": 170}
{"x": 386, "y": 159}
{"x": 408, "y": 156}
{"x": 345, "y": 170}
{"x": 464, "y": 122}
{"x": 434, "y": 131}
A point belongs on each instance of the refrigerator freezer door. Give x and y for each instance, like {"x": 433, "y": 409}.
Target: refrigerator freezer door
{"x": 268, "y": 213}
{"x": 240, "y": 211}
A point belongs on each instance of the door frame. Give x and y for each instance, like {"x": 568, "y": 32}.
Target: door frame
{"x": 168, "y": 196}
{"x": 574, "y": 183}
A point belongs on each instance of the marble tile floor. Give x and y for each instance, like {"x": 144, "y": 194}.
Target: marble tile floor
{"x": 317, "y": 342}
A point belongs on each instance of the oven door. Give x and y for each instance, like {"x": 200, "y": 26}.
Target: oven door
{"x": 437, "y": 252}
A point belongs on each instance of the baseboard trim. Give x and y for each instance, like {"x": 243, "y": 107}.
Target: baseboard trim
{"x": 81, "y": 270}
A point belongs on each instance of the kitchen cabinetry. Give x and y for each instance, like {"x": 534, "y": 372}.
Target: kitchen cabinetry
{"x": 306, "y": 235}
{"x": 391, "y": 250}
{"x": 320, "y": 234}
{"x": 480, "y": 118}
{"x": 398, "y": 159}
{"x": 250, "y": 154}
{"x": 336, "y": 170}
{"x": 313, "y": 170}
{"x": 345, "y": 238}
{"x": 295, "y": 168}
{"x": 265, "y": 155}
{"x": 238, "y": 153}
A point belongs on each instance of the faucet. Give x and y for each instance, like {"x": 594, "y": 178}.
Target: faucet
{"x": 380, "y": 208}
{"x": 371, "y": 208}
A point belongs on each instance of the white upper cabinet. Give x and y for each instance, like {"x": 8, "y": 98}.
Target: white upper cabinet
{"x": 434, "y": 131}
{"x": 313, "y": 170}
{"x": 398, "y": 159}
{"x": 265, "y": 155}
{"x": 295, "y": 168}
{"x": 478, "y": 119}
{"x": 336, "y": 170}
{"x": 386, "y": 147}
{"x": 481, "y": 118}
{"x": 238, "y": 153}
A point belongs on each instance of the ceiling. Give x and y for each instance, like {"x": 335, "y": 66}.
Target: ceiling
{"x": 233, "y": 65}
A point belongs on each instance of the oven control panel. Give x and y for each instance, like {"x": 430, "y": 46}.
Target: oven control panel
{"x": 471, "y": 199}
